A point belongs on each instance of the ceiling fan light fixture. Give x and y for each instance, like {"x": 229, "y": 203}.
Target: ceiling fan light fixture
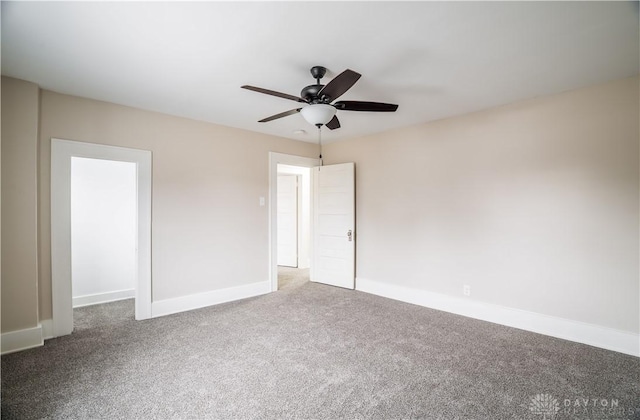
{"x": 318, "y": 114}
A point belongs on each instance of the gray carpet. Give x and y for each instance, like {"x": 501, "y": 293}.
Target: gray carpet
{"x": 289, "y": 277}
{"x": 310, "y": 351}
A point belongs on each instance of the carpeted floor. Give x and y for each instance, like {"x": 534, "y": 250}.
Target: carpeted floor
{"x": 312, "y": 351}
{"x": 289, "y": 277}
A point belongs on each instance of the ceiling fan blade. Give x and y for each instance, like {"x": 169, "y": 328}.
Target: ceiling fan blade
{"x": 365, "y": 106}
{"x": 274, "y": 93}
{"x": 280, "y": 115}
{"x": 333, "y": 124}
{"x": 339, "y": 85}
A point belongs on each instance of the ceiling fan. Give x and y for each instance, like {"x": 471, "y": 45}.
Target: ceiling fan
{"x": 320, "y": 109}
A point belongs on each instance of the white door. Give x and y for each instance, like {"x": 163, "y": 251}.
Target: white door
{"x": 334, "y": 225}
{"x": 287, "y": 208}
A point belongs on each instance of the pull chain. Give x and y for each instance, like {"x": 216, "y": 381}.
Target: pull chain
{"x": 320, "y": 142}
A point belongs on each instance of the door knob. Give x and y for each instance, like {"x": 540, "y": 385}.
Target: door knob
{"x": 350, "y": 235}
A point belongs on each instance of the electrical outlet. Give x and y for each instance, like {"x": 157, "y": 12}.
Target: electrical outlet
{"x": 466, "y": 290}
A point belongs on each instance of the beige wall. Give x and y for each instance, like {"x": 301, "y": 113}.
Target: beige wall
{"x": 208, "y": 231}
{"x": 19, "y": 204}
{"x": 534, "y": 205}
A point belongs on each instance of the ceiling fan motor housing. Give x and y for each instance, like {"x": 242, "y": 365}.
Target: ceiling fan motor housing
{"x": 310, "y": 93}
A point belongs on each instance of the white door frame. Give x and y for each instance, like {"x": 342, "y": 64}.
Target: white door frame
{"x": 61, "y": 153}
{"x": 274, "y": 160}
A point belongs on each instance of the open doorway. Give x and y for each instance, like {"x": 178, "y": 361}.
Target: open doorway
{"x": 289, "y": 165}
{"x": 103, "y": 239}
{"x": 293, "y": 225}
{"x": 332, "y": 229}
{"x": 63, "y": 153}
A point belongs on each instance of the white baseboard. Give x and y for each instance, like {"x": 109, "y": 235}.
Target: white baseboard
{"x": 201, "y": 300}
{"x": 87, "y": 300}
{"x": 21, "y": 340}
{"x": 594, "y": 335}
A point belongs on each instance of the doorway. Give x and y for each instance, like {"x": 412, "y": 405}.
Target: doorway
{"x": 293, "y": 225}
{"x": 332, "y": 229}
{"x": 62, "y": 154}
{"x": 103, "y": 231}
{"x": 290, "y": 165}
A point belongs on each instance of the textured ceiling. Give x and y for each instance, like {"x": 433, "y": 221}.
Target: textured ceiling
{"x": 434, "y": 59}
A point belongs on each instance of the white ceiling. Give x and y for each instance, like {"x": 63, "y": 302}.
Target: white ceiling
{"x": 434, "y": 59}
